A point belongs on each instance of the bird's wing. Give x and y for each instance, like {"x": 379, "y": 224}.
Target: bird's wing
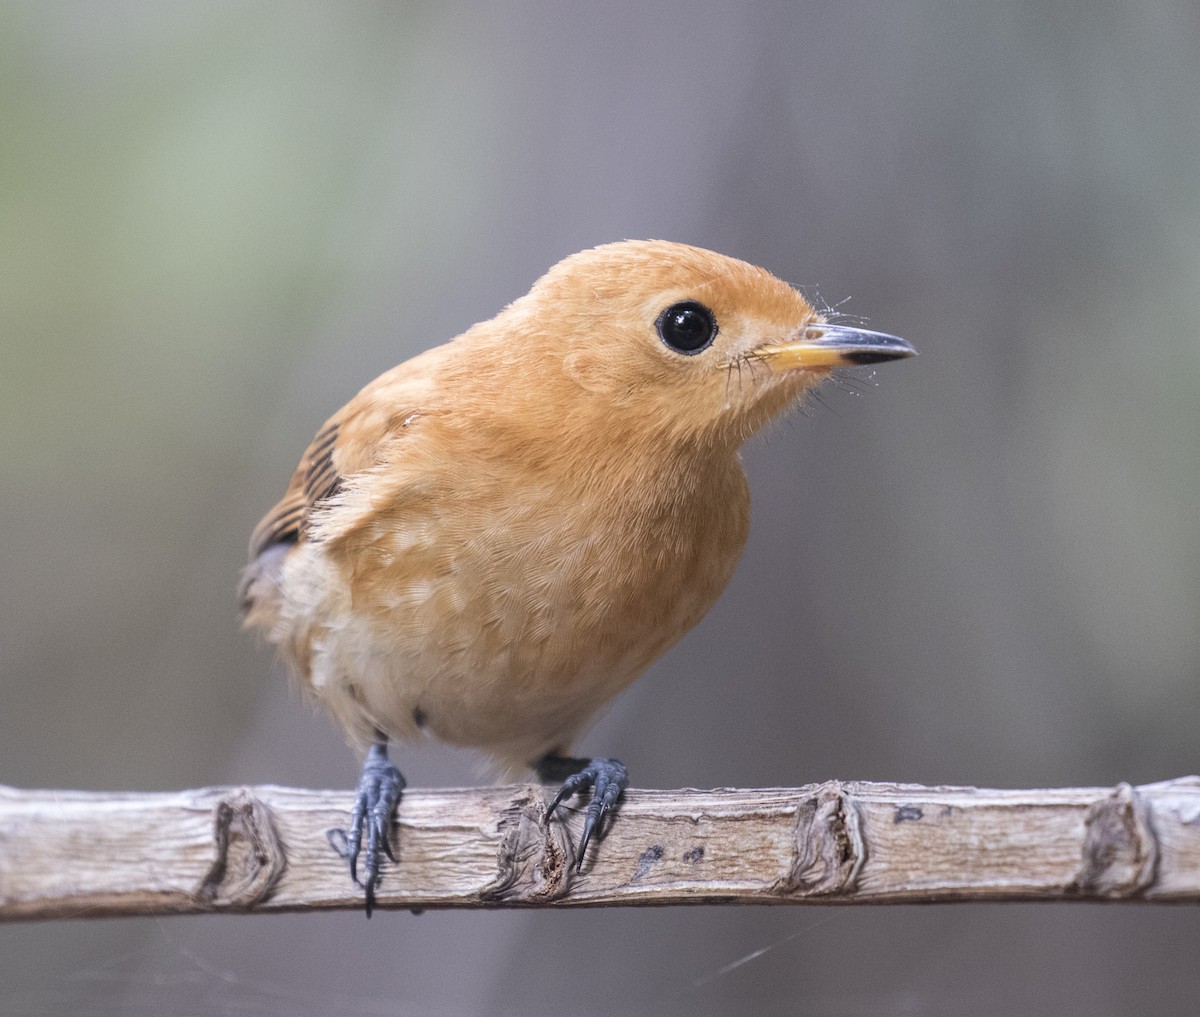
{"x": 314, "y": 479}
{"x": 352, "y": 440}
{"x": 349, "y": 442}
{"x": 367, "y": 431}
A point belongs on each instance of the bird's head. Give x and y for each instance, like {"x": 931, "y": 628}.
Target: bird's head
{"x": 680, "y": 341}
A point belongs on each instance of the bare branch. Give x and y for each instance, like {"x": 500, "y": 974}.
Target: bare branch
{"x": 76, "y": 854}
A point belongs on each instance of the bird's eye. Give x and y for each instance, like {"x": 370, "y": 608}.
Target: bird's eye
{"x": 687, "y": 327}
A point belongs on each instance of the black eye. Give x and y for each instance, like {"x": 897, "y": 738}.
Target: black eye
{"x": 687, "y": 327}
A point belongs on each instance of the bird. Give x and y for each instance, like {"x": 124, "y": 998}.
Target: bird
{"x": 494, "y": 538}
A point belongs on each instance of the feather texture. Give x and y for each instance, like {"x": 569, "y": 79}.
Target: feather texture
{"x": 493, "y": 539}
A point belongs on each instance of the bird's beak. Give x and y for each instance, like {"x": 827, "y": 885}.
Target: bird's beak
{"x": 822, "y": 345}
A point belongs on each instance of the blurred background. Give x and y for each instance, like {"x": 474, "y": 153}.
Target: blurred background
{"x": 220, "y": 219}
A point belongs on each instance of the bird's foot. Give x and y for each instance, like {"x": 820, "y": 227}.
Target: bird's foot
{"x": 375, "y": 802}
{"x": 607, "y": 778}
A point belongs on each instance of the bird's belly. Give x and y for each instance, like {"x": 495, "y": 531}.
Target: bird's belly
{"x": 514, "y": 677}
{"x": 509, "y": 652}
{"x": 504, "y": 625}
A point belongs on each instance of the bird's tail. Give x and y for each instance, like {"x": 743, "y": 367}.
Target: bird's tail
{"x": 260, "y": 589}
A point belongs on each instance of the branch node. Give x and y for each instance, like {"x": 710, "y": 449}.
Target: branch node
{"x": 250, "y": 857}
{"x": 828, "y": 849}
{"x": 533, "y": 861}
{"x": 1120, "y": 848}
{"x": 260, "y": 849}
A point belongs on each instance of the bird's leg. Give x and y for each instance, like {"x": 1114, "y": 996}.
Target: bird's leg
{"x": 375, "y": 802}
{"x": 607, "y": 778}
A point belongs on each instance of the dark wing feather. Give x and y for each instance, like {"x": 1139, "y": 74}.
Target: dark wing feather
{"x": 321, "y": 479}
{"x": 352, "y": 440}
{"x": 349, "y": 442}
{"x": 315, "y": 480}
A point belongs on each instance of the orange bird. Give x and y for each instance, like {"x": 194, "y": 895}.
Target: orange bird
{"x": 493, "y": 539}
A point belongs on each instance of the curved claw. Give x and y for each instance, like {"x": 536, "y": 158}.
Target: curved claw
{"x": 375, "y": 801}
{"x": 610, "y": 784}
{"x": 608, "y": 779}
{"x": 572, "y": 785}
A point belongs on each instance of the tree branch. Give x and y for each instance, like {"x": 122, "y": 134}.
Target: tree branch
{"x": 75, "y": 854}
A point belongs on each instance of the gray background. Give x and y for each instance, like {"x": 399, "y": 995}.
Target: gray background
{"x": 220, "y": 219}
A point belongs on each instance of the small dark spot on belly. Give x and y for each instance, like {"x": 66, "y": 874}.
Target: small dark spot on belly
{"x": 695, "y": 855}
{"x": 908, "y": 814}
{"x": 419, "y": 717}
